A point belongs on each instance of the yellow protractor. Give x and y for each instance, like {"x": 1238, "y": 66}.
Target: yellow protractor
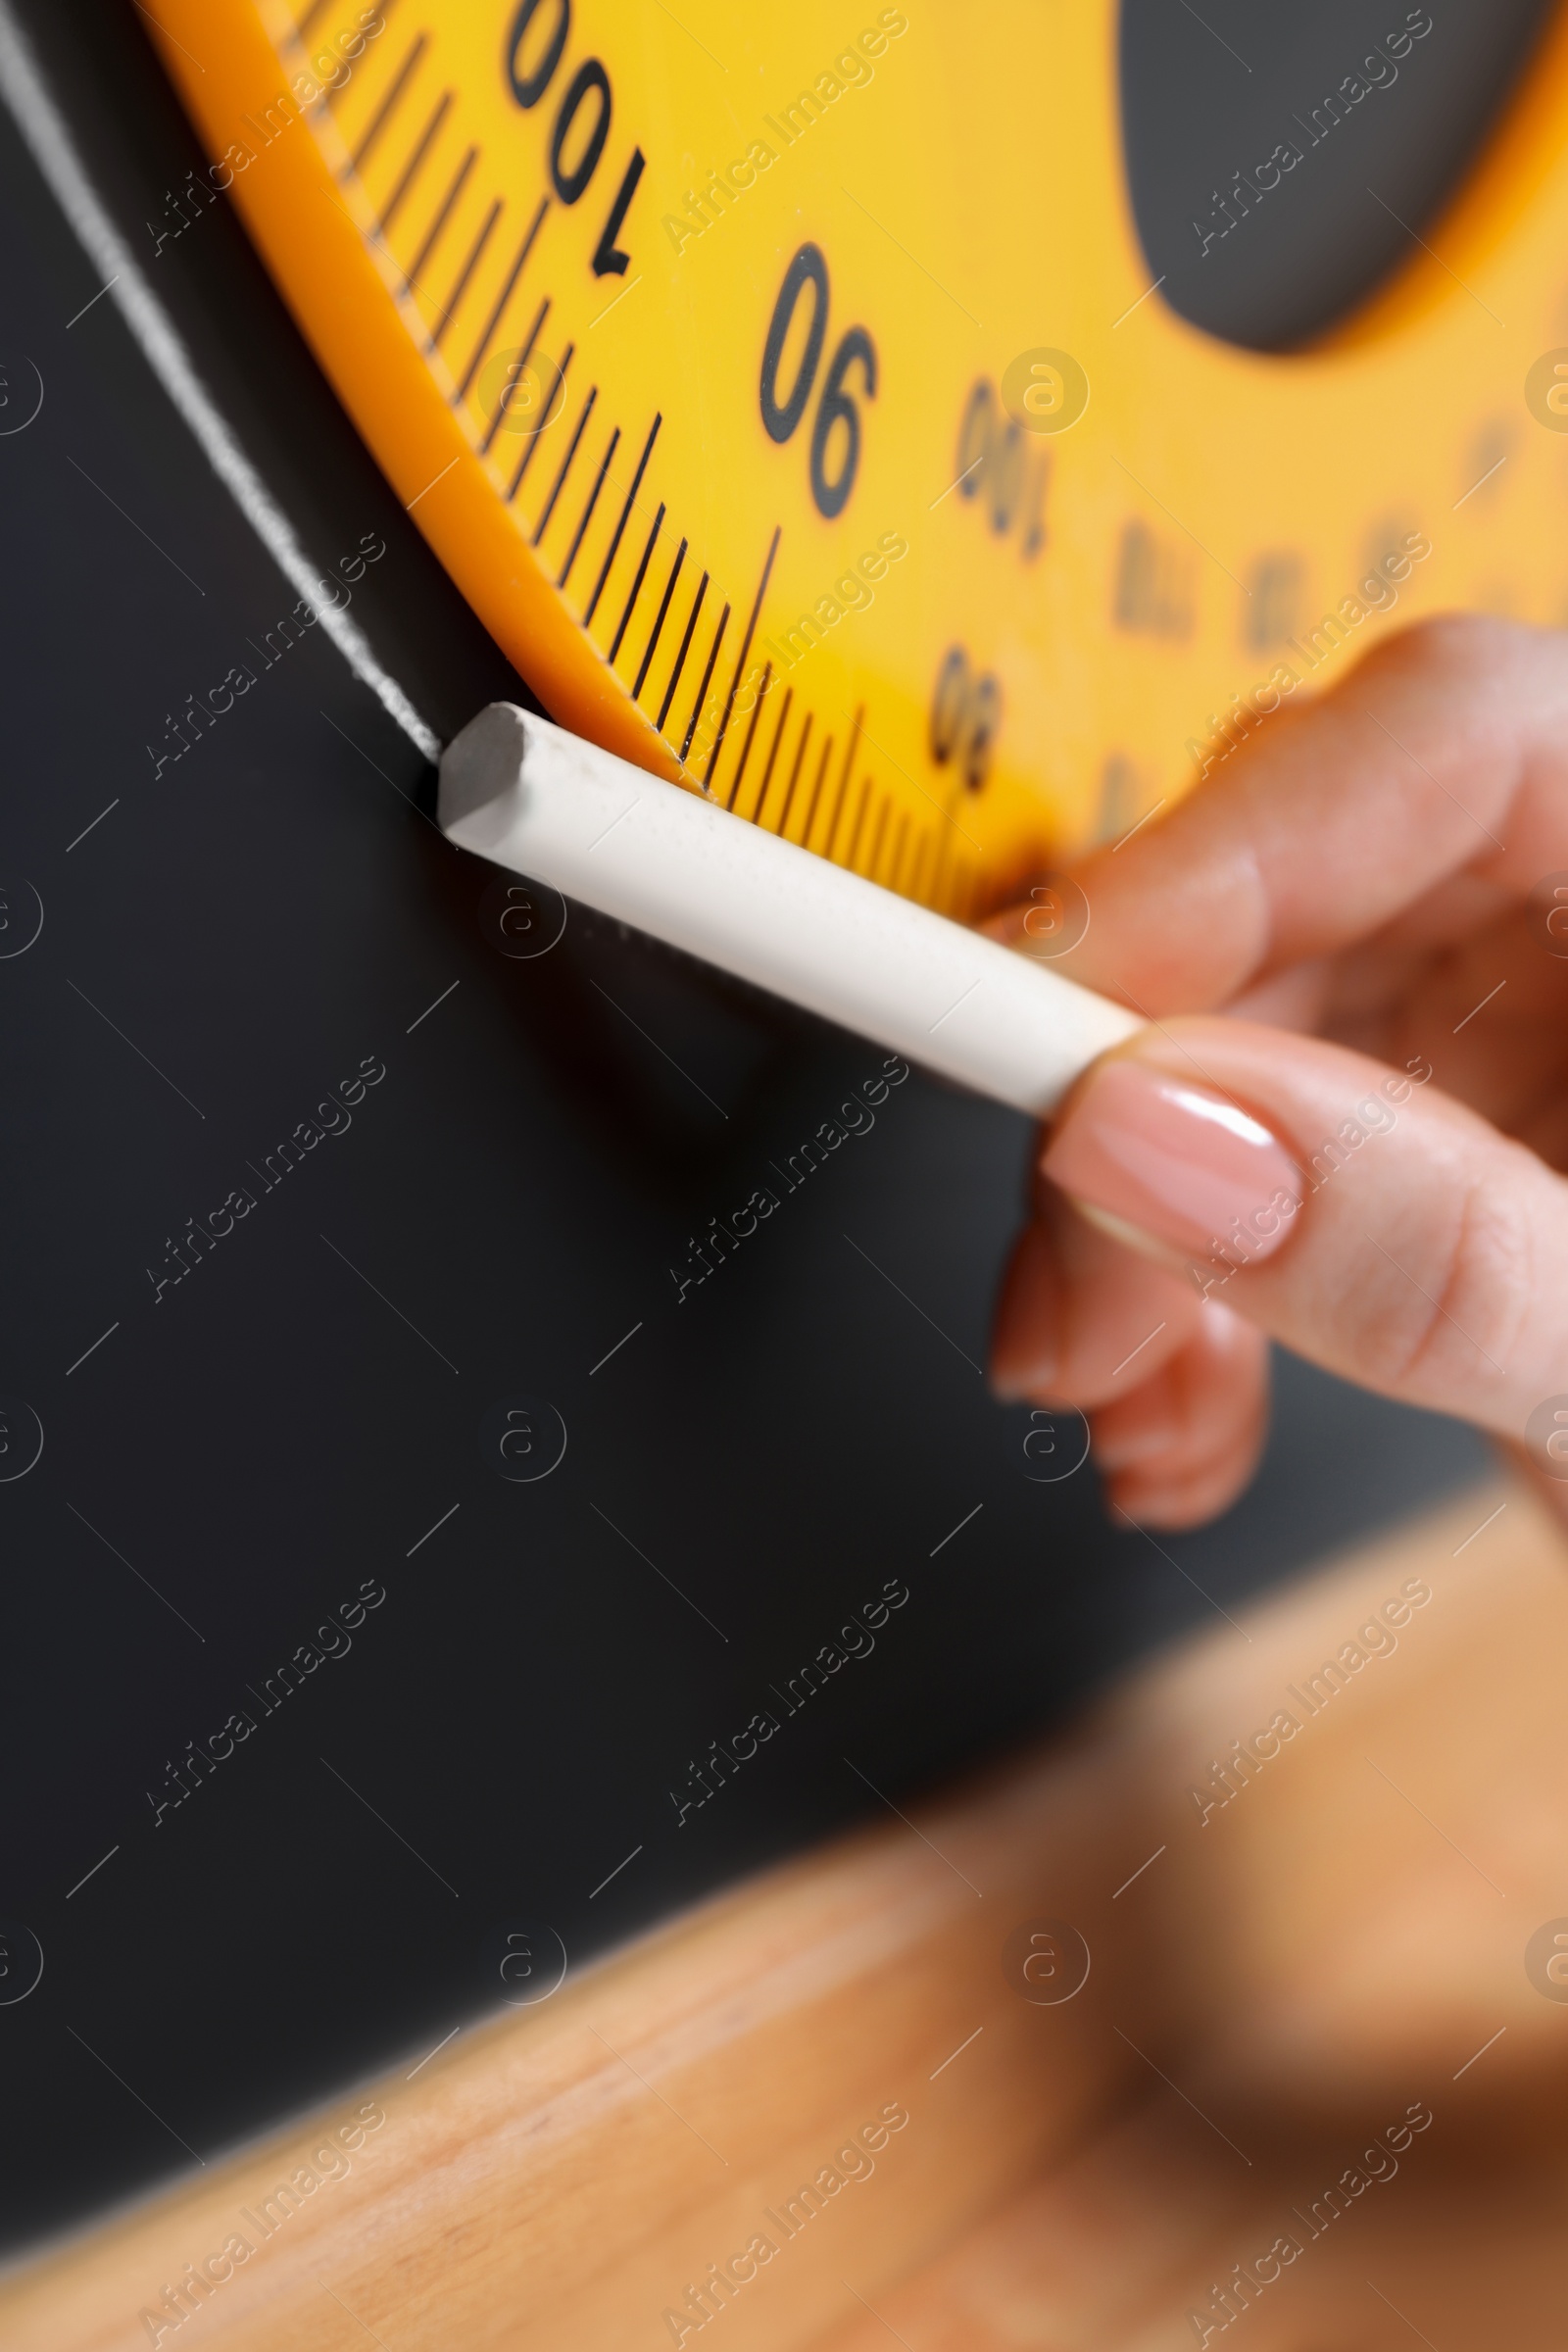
{"x": 792, "y": 405}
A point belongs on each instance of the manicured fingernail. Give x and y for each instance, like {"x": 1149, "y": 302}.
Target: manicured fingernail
{"x": 1123, "y": 1450}
{"x": 1024, "y": 1344}
{"x": 1176, "y": 1161}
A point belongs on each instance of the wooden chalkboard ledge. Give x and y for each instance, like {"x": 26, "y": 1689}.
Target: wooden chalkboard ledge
{"x": 1304, "y": 1855}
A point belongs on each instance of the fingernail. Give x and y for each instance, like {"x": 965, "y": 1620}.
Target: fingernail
{"x": 1024, "y": 1343}
{"x": 1175, "y": 1161}
{"x": 1124, "y": 1450}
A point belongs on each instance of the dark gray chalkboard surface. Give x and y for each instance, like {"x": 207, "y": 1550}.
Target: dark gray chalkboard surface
{"x": 270, "y": 1403}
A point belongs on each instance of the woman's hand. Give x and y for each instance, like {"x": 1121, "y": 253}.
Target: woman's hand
{"x": 1342, "y": 1127}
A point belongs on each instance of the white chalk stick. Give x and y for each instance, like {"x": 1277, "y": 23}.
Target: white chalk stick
{"x": 530, "y": 796}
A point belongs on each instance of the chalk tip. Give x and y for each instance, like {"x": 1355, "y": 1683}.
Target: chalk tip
{"x": 481, "y": 763}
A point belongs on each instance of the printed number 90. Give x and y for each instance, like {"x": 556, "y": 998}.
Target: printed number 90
{"x": 965, "y": 713}
{"x": 835, "y": 408}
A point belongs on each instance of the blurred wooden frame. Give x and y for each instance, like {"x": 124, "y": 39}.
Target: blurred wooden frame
{"x": 1269, "y": 1985}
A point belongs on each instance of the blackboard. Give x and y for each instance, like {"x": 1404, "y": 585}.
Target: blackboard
{"x": 326, "y": 1211}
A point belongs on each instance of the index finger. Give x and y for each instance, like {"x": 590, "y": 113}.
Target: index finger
{"x": 1445, "y": 751}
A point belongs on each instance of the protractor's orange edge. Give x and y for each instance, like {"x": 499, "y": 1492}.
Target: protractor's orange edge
{"x": 319, "y": 261}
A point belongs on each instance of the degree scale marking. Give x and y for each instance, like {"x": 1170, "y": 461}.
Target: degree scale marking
{"x": 402, "y": 168}
{"x": 1098, "y": 656}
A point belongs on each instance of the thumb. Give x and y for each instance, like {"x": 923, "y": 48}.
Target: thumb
{"x": 1355, "y": 1212}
